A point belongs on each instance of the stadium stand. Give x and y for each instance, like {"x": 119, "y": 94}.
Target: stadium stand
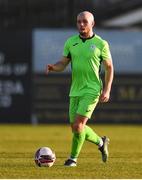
{"x": 55, "y": 13}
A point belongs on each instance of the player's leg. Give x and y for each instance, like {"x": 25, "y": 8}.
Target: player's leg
{"x": 86, "y": 106}
{"x": 81, "y": 110}
{"x": 90, "y": 102}
{"x": 77, "y": 140}
{"x": 77, "y": 124}
{"x": 102, "y": 142}
{"x": 92, "y": 136}
{"x": 78, "y": 135}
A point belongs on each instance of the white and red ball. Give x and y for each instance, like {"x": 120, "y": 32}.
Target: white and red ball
{"x": 44, "y": 157}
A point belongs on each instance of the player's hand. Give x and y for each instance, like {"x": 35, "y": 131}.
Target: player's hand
{"x": 104, "y": 97}
{"x": 49, "y": 68}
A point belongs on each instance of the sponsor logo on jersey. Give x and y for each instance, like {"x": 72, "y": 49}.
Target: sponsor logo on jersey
{"x": 92, "y": 47}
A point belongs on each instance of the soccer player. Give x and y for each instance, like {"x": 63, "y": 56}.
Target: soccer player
{"x": 86, "y": 52}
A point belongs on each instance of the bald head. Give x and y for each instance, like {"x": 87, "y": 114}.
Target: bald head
{"x": 87, "y": 15}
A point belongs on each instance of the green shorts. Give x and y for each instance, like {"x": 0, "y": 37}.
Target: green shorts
{"x": 83, "y": 105}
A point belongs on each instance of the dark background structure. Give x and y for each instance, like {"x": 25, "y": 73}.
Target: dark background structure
{"x": 55, "y": 13}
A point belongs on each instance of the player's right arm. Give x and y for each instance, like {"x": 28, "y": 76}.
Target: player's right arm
{"x": 57, "y": 67}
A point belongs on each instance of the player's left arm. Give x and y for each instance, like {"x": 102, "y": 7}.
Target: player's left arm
{"x": 109, "y": 73}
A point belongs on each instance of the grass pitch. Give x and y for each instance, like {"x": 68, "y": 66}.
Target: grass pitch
{"x": 18, "y": 144}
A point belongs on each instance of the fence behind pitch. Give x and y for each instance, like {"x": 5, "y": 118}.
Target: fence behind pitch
{"x": 51, "y": 100}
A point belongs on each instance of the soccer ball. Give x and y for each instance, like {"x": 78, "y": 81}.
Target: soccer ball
{"x": 44, "y": 156}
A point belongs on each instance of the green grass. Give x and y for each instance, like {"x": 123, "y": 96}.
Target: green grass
{"x": 18, "y": 144}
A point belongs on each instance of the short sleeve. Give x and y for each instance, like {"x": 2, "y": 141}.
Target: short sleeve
{"x": 66, "y": 51}
{"x": 106, "y": 54}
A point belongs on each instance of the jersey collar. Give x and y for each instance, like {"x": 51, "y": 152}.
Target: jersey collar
{"x": 84, "y": 39}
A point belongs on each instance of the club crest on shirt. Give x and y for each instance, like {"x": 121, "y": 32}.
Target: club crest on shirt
{"x": 92, "y": 47}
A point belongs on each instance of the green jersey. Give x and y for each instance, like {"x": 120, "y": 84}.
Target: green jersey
{"x": 86, "y": 56}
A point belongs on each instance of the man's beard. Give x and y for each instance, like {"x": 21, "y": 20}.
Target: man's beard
{"x": 82, "y": 33}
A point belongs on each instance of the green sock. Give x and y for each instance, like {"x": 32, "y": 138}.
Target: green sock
{"x": 91, "y": 136}
{"x": 77, "y": 143}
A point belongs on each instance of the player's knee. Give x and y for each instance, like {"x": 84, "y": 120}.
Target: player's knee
{"x": 77, "y": 127}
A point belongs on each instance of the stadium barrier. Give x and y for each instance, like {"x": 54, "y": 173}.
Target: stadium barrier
{"x": 15, "y": 76}
{"x": 51, "y": 100}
